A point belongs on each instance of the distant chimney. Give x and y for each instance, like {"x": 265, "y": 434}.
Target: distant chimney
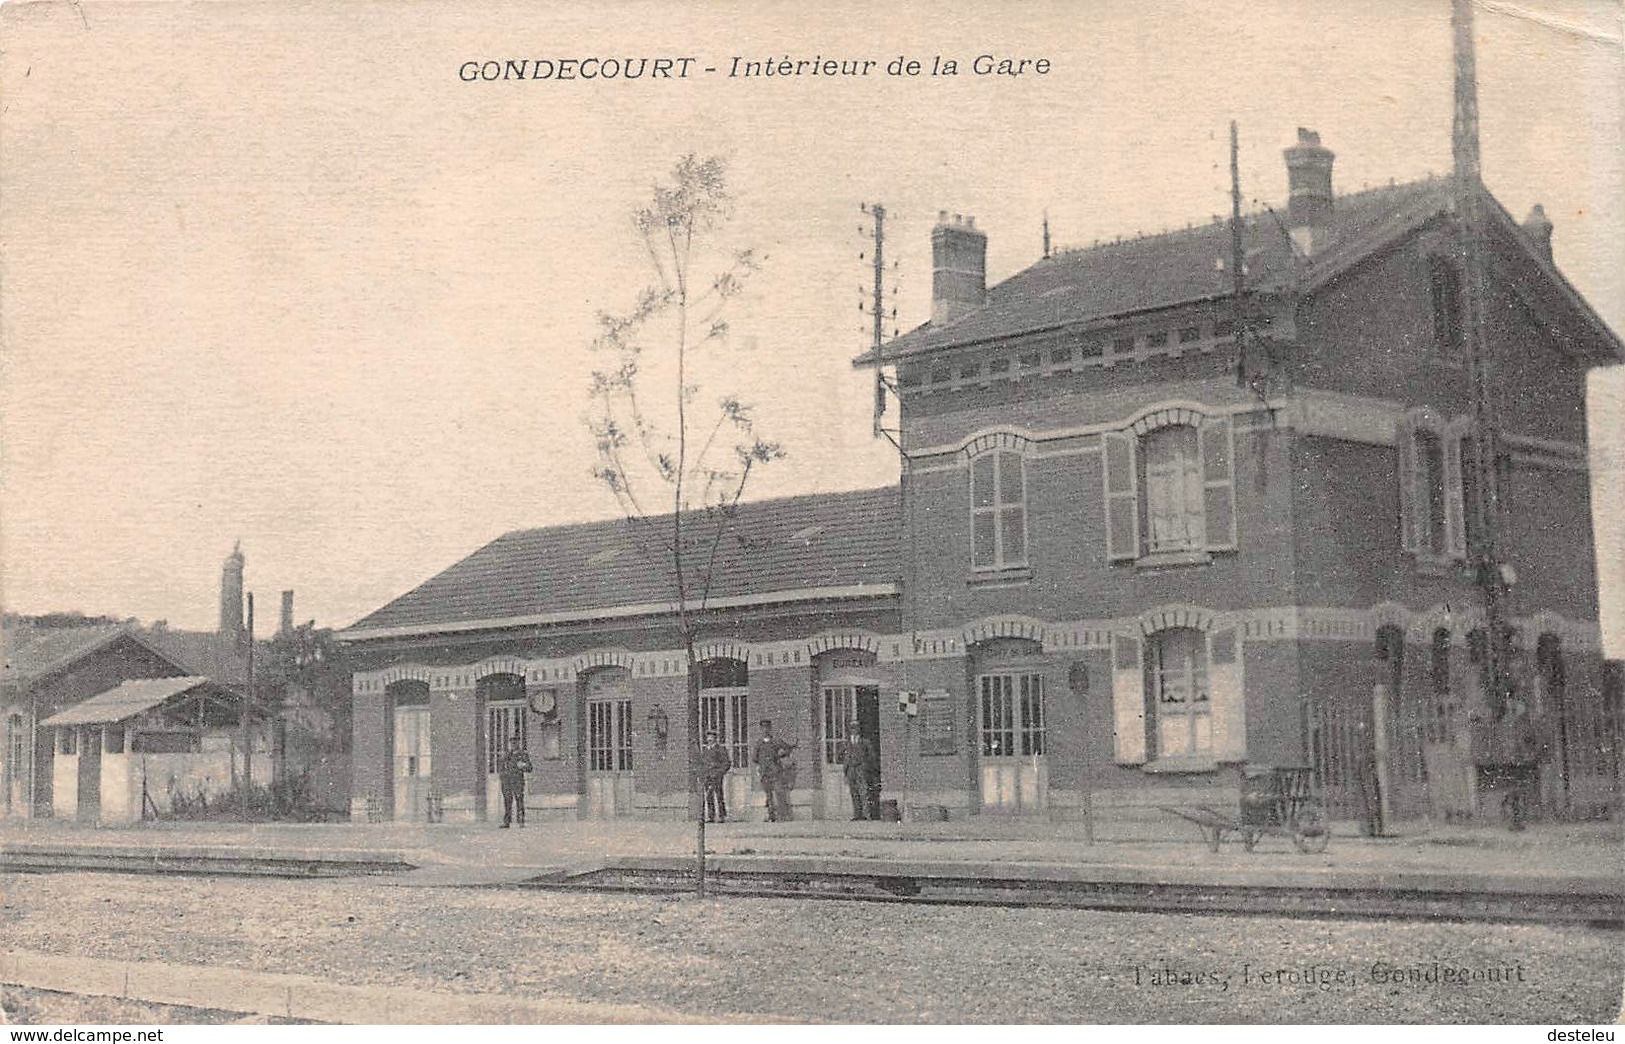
{"x": 231, "y": 594}
{"x": 1309, "y": 207}
{"x": 1538, "y": 227}
{"x": 286, "y": 626}
{"x": 958, "y": 268}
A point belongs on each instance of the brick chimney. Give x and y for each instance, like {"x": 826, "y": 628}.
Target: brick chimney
{"x": 958, "y": 268}
{"x": 231, "y": 595}
{"x": 1538, "y": 227}
{"x": 286, "y": 624}
{"x": 1309, "y": 207}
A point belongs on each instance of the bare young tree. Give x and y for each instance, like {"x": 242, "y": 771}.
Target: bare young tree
{"x": 678, "y": 467}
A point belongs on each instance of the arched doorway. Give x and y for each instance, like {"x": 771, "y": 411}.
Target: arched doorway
{"x": 849, "y": 691}
{"x": 1008, "y": 704}
{"x": 500, "y": 699}
{"x": 409, "y": 752}
{"x": 610, "y": 785}
{"x": 725, "y": 710}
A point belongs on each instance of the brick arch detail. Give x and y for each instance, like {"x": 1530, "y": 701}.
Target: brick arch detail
{"x": 498, "y": 665}
{"x": 1002, "y": 438}
{"x": 722, "y": 649}
{"x": 989, "y": 628}
{"x": 830, "y": 641}
{"x": 596, "y": 658}
{"x": 1165, "y": 414}
{"x": 1164, "y": 617}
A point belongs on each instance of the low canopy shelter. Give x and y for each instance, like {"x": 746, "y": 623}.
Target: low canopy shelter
{"x": 194, "y": 702}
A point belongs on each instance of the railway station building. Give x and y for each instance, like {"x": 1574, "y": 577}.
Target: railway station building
{"x": 1112, "y": 576}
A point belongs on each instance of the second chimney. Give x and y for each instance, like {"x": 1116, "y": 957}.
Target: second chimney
{"x": 958, "y": 268}
{"x": 1538, "y": 227}
{"x": 1309, "y": 208}
{"x": 286, "y": 626}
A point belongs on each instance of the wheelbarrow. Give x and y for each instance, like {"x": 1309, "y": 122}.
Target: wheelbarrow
{"x": 1275, "y": 802}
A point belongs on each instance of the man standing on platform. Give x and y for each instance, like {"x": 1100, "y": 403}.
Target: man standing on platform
{"x": 714, "y": 765}
{"x": 515, "y": 763}
{"x": 857, "y": 762}
{"x": 776, "y": 772}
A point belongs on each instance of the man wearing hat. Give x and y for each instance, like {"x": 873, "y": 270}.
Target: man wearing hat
{"x": 858, "y": 764}
{"x": 714, "y": 765}
{"x": 777, "y": 772}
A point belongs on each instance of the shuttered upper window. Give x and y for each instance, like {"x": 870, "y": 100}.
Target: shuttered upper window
{"x": 1170, "y": 488}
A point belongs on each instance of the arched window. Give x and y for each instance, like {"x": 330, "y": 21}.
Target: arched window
{"x": 1170, "y": 486}
{"x": 1181, "y": 703}
{"x": 1175, "y": 519}
{"x": 998, "y": 511}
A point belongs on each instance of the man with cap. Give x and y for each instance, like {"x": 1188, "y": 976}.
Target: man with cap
{"x": 714, "y": 765}
{"x": 515, "y": 763}
{"x": 857, "y": 763}
{"x": 776, "y": 772}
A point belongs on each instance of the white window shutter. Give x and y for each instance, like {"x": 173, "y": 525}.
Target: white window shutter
{"x": 1219, "y": 483}
{"x": 1128, "y": 700}
{"x": 1229, "y": 698}
{"x": 1122, "y": 496}
{"x": 1455, "y": 505}
{"x": 1411, "y": 500}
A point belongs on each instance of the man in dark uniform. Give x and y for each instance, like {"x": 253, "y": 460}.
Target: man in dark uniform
{"x": 775, "y": 772}
{"x": 714, "y": 765}
{"x": 857, "y": 762}
{"x": 515, "y": 763}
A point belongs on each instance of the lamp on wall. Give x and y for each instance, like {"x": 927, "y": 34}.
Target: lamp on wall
{"x": 660, "y": 726}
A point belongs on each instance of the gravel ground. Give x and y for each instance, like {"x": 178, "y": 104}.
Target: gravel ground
{"x": 26, "y": 1007}
{"x": 823, "y": 960}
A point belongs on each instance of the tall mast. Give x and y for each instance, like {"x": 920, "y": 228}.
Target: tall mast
{"x": 1468, "y": 194}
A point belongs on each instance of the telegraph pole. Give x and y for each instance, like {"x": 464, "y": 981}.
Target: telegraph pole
{"x": 248, "y": 705}
{"x": 1484, "y": 556}
{"x": 1238, "y": 260}
{"x": 878, "y": 213}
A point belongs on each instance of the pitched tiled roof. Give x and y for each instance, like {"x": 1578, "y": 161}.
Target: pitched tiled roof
{"x": 207, "y": 652}
{"x": 822, "y": 541}
{"x": 33, "y": 652}
{"x": 126, "y": 701}
{"x": 1158, "y": 271}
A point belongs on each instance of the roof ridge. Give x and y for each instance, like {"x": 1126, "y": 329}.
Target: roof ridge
{"x": 744, "y": 505}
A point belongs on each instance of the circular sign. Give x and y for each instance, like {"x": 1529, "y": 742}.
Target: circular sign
{"x": 544, "y": 701}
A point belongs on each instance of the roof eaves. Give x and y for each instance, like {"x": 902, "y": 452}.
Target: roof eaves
{"x": 568, "y": 616}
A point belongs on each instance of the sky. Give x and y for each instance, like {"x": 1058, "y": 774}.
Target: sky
{"x": 274, "y": 273}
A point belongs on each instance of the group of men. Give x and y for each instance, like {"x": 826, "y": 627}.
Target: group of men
{"x": 859, "y": 764}
{"x": 778, "y": 773}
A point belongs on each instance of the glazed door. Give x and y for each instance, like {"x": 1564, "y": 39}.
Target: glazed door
{"x": 842, "y": 704}
{"x": 1013, "y": 766}
{"x": 413, "y": 764}
{"x": 610, "y": 785}
{"x": 504, "y": 722}
{"x": 726, "y": 712}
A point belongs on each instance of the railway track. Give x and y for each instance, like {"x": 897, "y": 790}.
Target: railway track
{"x": 1598, "y": 902}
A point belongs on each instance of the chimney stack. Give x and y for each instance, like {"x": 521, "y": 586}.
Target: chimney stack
{"x": 231, "y": 594}
{"x": 1538, "y": 227}
{"x": 958, "y": 268}
{"x": 286, "y": 625}
{"x": 1309, "y": 207}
